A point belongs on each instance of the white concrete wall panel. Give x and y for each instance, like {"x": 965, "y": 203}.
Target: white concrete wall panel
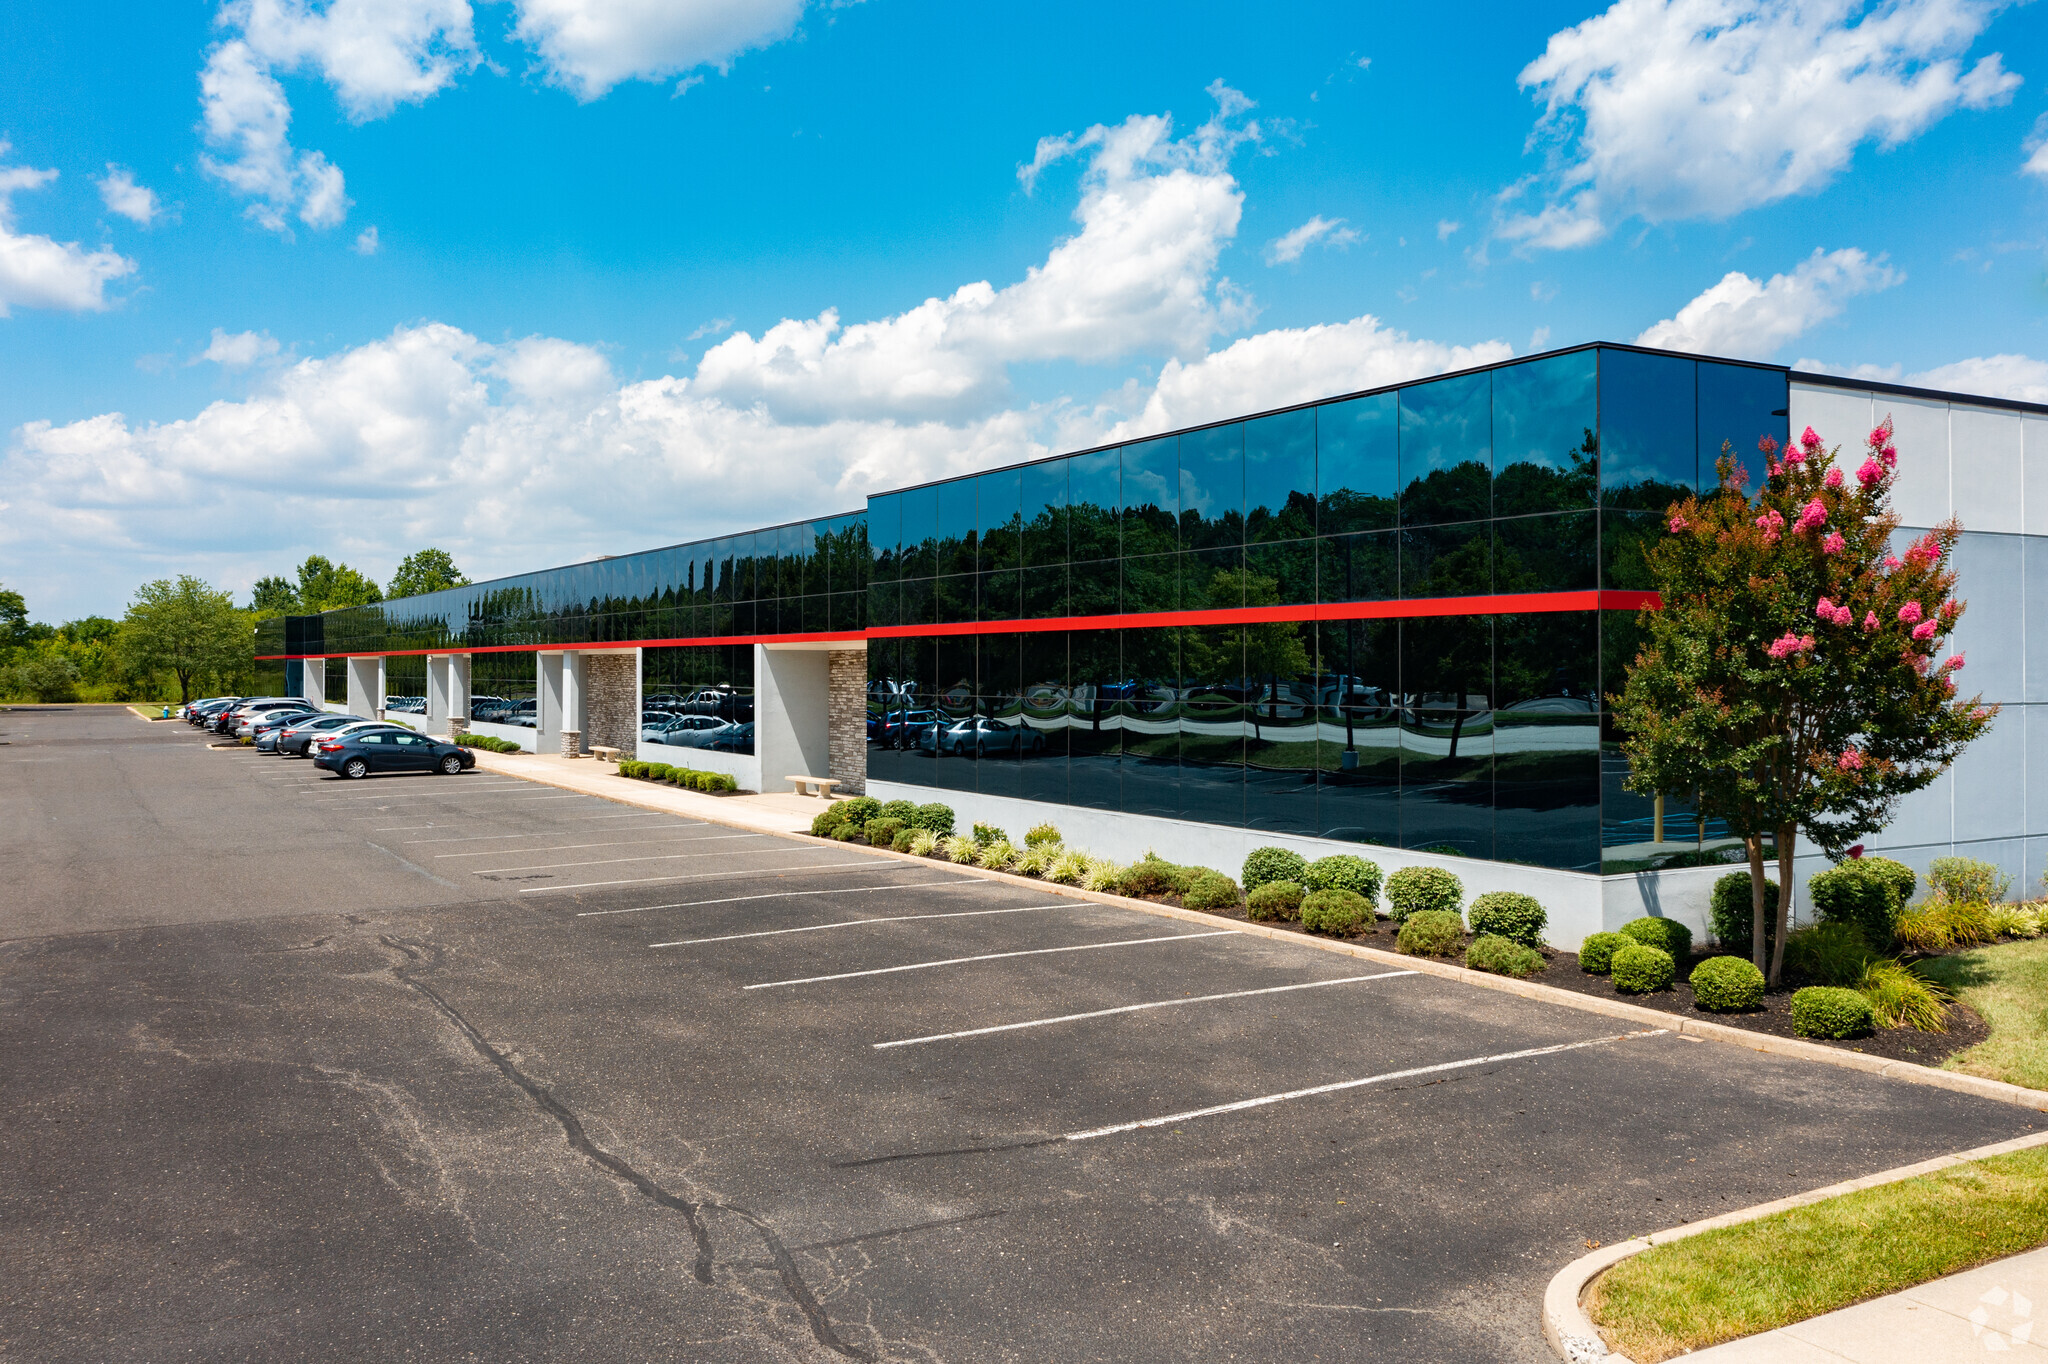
{"x": 2034, "y": 478}
{"x": 1920, "y": 431}
{"x": 1925, "y": 817}
{"x": 2028, "y": 725}
{"x": 1990, "y": 780}
{"x": 1841, "y": 417}
{"x": 1990, "y": 577}
{"x": 1985, "y": 460}
{"x": 791, "y": 702}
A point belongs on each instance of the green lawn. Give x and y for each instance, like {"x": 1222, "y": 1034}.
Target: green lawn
{"x": 1721, "y": 1285}
{"x": 2008, "y": 985}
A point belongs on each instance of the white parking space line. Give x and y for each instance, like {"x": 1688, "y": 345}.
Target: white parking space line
{"x": 859, "y": 923}
{"x": 784, "y": 895}
{"x": 690, "y": 876}
{"x": 990, "y": 956}
{"x": 350, "y": 791}
{"x": 650, "y": 857}
{"x": 1129, "y": 1008}
{"x": 1191, "y": 1114}
{"x": 571, "y": 847}
{"x": 528, "y": 833}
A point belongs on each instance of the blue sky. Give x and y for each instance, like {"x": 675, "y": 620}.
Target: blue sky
{"x": 540, "y": 279}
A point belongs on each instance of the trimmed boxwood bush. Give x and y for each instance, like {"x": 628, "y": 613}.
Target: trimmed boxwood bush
{"x": 706, "y": 781}
{"x": 1336, "y": 911}
{"x": 1432, "y": 932}
{"x": 1727, "y": 984}
{"x": 1509, "y": 914}
{"x": 848, "y": 832}
{"x": 882, "y": 830}
{"x": 934, "y": 818}
{"x": 1638, "y": 969}
{"x": 1858, "y": 892}
{"x": 899, "y": 809}
{"x": 1151, "y": 875}
{"x": 1729, "y": 912}
{"x": 1211, "y": 890}
{"x": 1267, "y": 865}
{"x": 1502, "y": 956}
{"x": 827, "y": 819}
{"x": 491, "y": 743}
{"x": 1342, "y": 871}
{"x": 1669, "y": 935}
{"x": 1275, "y": 900}
{"x": 904, "y": 838}
{"x": 1830, "y": 1011}
{"x": 861, "y": 809}
{"x": 1413, "y": 890}
{"x": 1596, "y": 953}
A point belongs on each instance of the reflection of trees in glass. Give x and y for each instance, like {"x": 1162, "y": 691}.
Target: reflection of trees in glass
{"x": 1269, "y": 650}
{"x": 1451, "y": 655}
{"x": 1346, "y": 510}
{"x": 1463, "y": 492}
{"x": 1525, "y": 487}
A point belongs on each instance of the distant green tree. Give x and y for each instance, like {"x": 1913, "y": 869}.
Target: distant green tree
{"x": 186, "y": 628}
{"x": 13, "y": 618}
{"x": 273, "y": 596}
{"x": 88, "y": 630}
{"x": 325, "y": 585}
{"x": 426, "y": 570}
{"x": 44, "y": 677}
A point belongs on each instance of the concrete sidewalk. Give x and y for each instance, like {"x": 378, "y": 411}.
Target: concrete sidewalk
{"x": 776, "y": 812}
{"x": 1980, "y": 1313}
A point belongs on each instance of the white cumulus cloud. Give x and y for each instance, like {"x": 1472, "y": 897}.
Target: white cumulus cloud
{"x": 120, "y": 193}
{"x": 2018, "y": 377}
{"x": 247, "y": 118}
{"x": 1287, "y": 248}
{"x": 1676, "y": 109}
{"x": 376, "y": 54}
{"x": 41, "y": 272}
{"x": 366, "y": 241}
{"x": 589, "y": 46}
{"x": 1744, "y": 319}
{"x": 238, "y": 350}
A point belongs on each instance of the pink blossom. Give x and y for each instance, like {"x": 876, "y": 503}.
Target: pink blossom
{"x": 1950, "y": 610}
{"x": 1677, "y": 524}
{"x": 1824, "y": 608}
{"x": 1788, "y": 644}
{"x": 1870, "y": 473}
{"x": 1890, "y": 456}
{"x": 1772, "y": 467}
{"x": 1891, "y": 561}
{"x": 1870, "y": 620}
{"x": 1811, "y": 517}
{"x": 1930, "y": 546}
{"x": 1948, "y": 685}
{"x": 1794, "y": 455}
{"x": 1767, "y": 444}
{"x": 1855, "y": 851}
{"x": 1926, "y": 630}
{"x": 1851, "y": 760}
{"x": 1954, "y": 663}
{"x": 1810, "y": 439}
{"x": 1834, "y": 478}
{"x": 1910, "y": 613}
{"x": 1878, "y": 436}
{"x": 1771, "y": 524}
{"x": 1834, "y": 543}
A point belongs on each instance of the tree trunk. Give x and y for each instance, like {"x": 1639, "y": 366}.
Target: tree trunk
{"x": 1788, "y": 835}
{"x": 1760, "y": 935}
{"x": 184, "y": 686}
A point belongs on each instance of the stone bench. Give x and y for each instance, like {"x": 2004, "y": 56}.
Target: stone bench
{"x": 813, "y": 786}
{"x": 604, "y": 754}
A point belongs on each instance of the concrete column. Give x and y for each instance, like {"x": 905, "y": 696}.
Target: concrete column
{"x": 366, "y": 687}
{"x": 575, "y": 722}
{"x": 313, "y": 682}
{"x": 458, "y": 694}
{"x": 790, "y": 704}
{"x": 547, "y": 720}
{"x": 437, "y": 694}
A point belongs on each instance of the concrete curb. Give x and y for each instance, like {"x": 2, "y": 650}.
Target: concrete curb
{"x": 706, "y": 808}
{"x": 1570, "y": 1331}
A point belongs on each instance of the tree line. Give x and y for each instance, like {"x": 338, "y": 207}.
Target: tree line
{"x": 182, "y": 636}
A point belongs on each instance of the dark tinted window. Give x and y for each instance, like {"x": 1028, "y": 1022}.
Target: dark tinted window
{"x": 1092, "y": 501}
{"x": 1045, "y": 513}
{"x": 1212, "y": 487}
{"x": 997, "y": 497}
{"x": 1649, "y": 433}
{"x": 1546, "y": 419}
{"x": 1151, "y": 496}
{"x": 1447, "y": 450}
{"x": 920, "y": 532}
{"x": 1280, "y": 476}
{"x": 1357, "y": 463}
{"x": 885, "y": 532}
{"x": 957, "y": 526}
{"x": 1740, "y": 405}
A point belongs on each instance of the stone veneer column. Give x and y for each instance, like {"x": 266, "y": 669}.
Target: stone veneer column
{"x": 611, "y": 688}
{"x": 846, "y": 719}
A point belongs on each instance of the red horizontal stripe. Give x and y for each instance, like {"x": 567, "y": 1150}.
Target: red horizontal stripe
{"x": 1499, "y": 604}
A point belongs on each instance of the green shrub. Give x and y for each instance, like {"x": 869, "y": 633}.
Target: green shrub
{"x": 1900, "y": 997}
{"x": 899, "y": 809}
{"x": 1210, "y": 890}
{"x": 1038, "y": 835}
{"x": 1275, "y": 900}
{"x": 989, "y": 833}
{"x": 1638, "y": 969}
{"x": 958, "y": 849}
{"x": 1068, "y": 868}
{"x": 1413, "y": 890}
{"x": 1669, "y": 935}
{"x": 1342, "y": 871}
{"x": 848, "y": 832}
{"x": 1966, "y": 880}
{"x": 1263, "y": 866}
{"x": 1502, "y": 956}
{"x": 1596, "y": 953}
{"x": 1431, "y": 932}
{"x": 996, "y": 855}
{"x": 1904, "y": 882}
{"x": 1336, "y": 911}
{"x": 935, "y": 817}
{"x": 1830, "y": 1011}
{"x": 1727, "y": 984}
{"x": 1860, "y": 893}
{"x": 1732, "y": 917}
{"x": 905, "y": 839}
{"x": 491, "y": 743}
{"x": 923, "y": 843}
{"x": 1509, "y": 914}
{"x": 882, "y": 830}
{"x": 827, "y": 820}
{"x": 1102, "y": 875}
{"x": 861, "y": 809}
{"x": 1828, "y": 954}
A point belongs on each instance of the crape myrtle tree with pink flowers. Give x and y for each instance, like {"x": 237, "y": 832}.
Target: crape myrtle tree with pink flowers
{"x": 1790, "y": 679}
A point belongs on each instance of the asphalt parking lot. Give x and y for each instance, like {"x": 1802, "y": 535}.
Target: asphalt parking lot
{"x": 426, "y": 1067}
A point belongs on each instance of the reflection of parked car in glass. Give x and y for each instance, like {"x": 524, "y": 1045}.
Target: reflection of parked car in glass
{"x": 526, "y": 713}
{"x": 732, "y": 739}
{"x": 723, "y": 702}
{"x": 687, "y": 731}
{"x": 900, "y": 728}
{"x": 487, "y": 708}
{"x": 979, "y": 735}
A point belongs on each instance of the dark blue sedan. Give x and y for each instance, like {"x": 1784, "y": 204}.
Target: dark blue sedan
{"x": 389, "y": 750}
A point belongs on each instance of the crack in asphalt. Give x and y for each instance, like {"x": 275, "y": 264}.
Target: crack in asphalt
{"x": 781, "y": 1259}
{"x": 948, "y": 1151}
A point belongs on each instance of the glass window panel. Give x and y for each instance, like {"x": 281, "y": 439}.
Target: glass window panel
{"x": 920, "y": 552}
{"x": 1447, "y": 561}
{"x": 1094, "y": 589}
{"x": 1546, "y": 778}
{"x": 818, "y": 564}
{"x": 1281, "y": 574}
{"x": 957, "y": 526}
{"x": 1357, "y": 463}
{"x": 1547, "y": 553}
{"x": 1215, "y": 696}
{"x": 743, "y": 619}
{"x": 1625, "y": 538}
{"x": 920, "y": 602}
{"x": 1212, "y": 487}
{"x": 792, "y": 556}
{"x": 1649, "y": 434}
{"x": 1740, "y": 405}
{"x": 1044, "y": 710}
{"x": 1362, "y": 567}
{"x": 1001, "y": 734}
{"x": 1281, "y": 750}
{"x": 1280, "y": 476}
{"x": 1094, "y": 723}
{"x": 1044, "y": 495}
{"x": 1044, "y": 593}
{"x": 999, "y": 595}
{"x": 849, "y": 610}
{"x": 1093, "y": 497}
{"x": 955, "y": 593}
{"x": 1151, "y": 583}
{"x": 890, "y": 701}
{"x": 950, "y": 765}
{"x": 1358, "y": 709}
{"x": 1147, "y": 700}
{"x": 1447, "y": 450}
{"x": 997, "y": 499}
{"x": 1212, "y": 580}
{"x": 1447, "y": 735}
{"x": 1151, "y": 497}
{"x": 1546, "y": 419}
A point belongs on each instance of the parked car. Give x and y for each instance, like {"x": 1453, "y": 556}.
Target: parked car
{"x": 234, "y": 717}
{"x": 295, "y": 738}
{"x": 901, "y": 728}
{"x": 359, "y": 753}
{"x": 201, "y": 713}
{"x": 270, "y": 718}
{"x": 525, "y": 714}
{"x": 689, "y": 731}
{"x": 979, "y": 735}
{"x": 733, "y": 739}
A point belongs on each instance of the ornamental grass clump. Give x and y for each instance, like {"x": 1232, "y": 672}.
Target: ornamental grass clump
{"x": 1263, "y": 866}
{"x": 1830, "y": 1011}
{"x": 1068, "y": 867}
{"x": 1414, "y": 890}
{"x": 1596, "y": 953}
{"x": 996, "y": 855}
{"x": 1900, "y": 997}
{"x": 1034, "y": 861}
{"x": 1342, "y": 871}
{"x": 1335, "y": 911}
{"x": 958, "y": 849}
{"x": 1639, "y": 969}
{"x": 1725, "y": 985}
{"x": 1509, "y": 914}
{"x": 923, "y": 843}
{"x": 1275, "y": 900}
{"x": 1502, "y": 956}
{"x": 1936, "y": 924}
{"x": 2016, "y": 921}
{"x": 1668, "y": 935}
{"x": 1431, "y": 932}
{"x": 1828, "y": 954}
{"x": 1102, "y": 874}
{"x": 1210, "y": 891}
